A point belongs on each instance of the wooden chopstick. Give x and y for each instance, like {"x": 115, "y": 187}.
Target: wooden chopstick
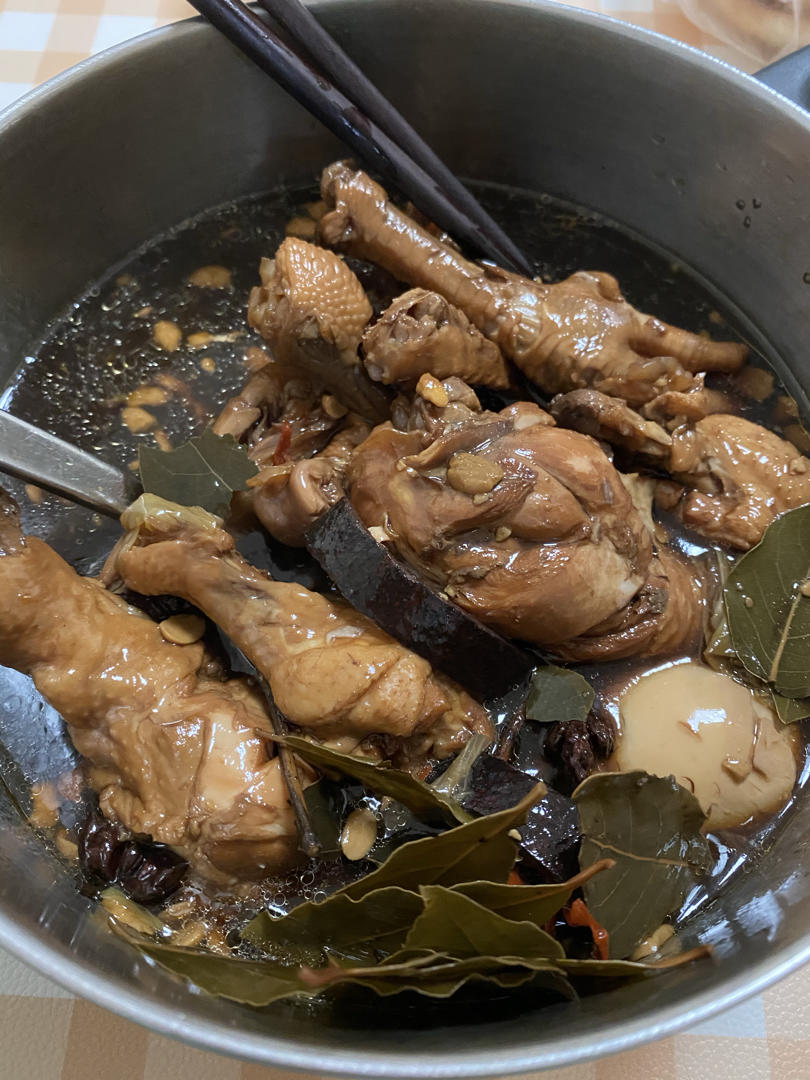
{"x": 321, "y": 47}
{"x": 360, "y": 116}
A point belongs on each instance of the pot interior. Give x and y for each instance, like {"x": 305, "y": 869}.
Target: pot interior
{"x": 518, "y": 94}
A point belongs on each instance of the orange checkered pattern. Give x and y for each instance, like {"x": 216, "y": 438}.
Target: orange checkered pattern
{"x": 40, "y": 38}
{"x": 46, "y": 1034}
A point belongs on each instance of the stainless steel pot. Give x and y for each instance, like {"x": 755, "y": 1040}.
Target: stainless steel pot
{"x": 701, "y": 159}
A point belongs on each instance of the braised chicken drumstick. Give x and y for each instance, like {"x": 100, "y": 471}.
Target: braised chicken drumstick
{"x": 331, "y": 670}
{"x": 173, "y": 753}
{"x": 525, "y": 525}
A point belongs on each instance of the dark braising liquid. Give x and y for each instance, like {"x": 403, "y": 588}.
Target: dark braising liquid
{"x": 95, "y": 354}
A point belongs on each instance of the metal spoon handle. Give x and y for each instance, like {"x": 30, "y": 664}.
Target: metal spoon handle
{"x": 31, "y": 454}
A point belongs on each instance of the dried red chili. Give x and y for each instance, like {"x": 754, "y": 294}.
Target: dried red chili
{"x": 284, "y": 441}
{"x": 578, "y": 915}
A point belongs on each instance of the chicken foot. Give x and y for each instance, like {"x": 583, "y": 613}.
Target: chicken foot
{"x": 578, "y": 333}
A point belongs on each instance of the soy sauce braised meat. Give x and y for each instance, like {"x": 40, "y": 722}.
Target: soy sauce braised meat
{"x": 535, "y": 495}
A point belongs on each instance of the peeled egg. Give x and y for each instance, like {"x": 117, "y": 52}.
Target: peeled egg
{"x": 714, "y": 736}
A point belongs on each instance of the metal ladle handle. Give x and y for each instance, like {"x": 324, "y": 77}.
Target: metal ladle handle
{"x": 32, "y": 454}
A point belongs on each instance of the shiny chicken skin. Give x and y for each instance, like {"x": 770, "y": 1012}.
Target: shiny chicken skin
{"x": 737, "y": 475}
{"x": 332, "y": 671}
{"x": 289, "y": 498}
{"x": 300, "y": 437}
{"x": 665, "y": 617}
{"x": 741, "y": 477}
{"x": 172, "y": 752}
{"x": 312, "y": 311}
{"x": 421, "y": 332}
{"x": 525, "y": 525}
{"x": 574, "y": 334}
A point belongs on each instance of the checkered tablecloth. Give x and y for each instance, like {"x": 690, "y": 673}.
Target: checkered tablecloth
{"x": 46, "y": 1034}
{"x": 40, "y": 38}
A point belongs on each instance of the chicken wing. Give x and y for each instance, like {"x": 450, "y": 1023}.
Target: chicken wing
{"x": 421, "y": 332}
{"x": 332, "y": 671}
{"x": 737, "y": 475}
{"x": 741, "y": 477}
{"x": 578, "y": 333}
{"x": 300, "y": 438}
{"x": 173, "y": 753}
{"x": 311, "y": 309}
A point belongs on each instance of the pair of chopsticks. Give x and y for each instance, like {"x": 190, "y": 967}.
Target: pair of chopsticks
{"x": 329, "y": 85}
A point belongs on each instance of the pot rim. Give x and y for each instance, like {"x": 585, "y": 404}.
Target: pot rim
{"x": 176, "y": 1022}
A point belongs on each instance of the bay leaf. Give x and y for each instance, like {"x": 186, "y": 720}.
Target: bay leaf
{"x": 651, "y": 827}
{"x": 430, "y": 974}
{"x": 421, "y": 799}
{"x": 205, "y": 471}
{"x": 324, "y": 816}
{"x": 789, "y": 710}
{"x": 559, "y": 695}
{"x": 436, "y": 975}
{"x": 768, "y": 604}
{"x": 456, "y": 925}
{"x": 262, "y": 982}
{"x": 630, "y": 969}
{"x": 531, "y": 903}
{"x": 338, "y": 926}
{"x": 478, "y": 850}
{"x": 718, "y": 651}
{"x": 606, "y": 969}
{"x": 250, "y": 982}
